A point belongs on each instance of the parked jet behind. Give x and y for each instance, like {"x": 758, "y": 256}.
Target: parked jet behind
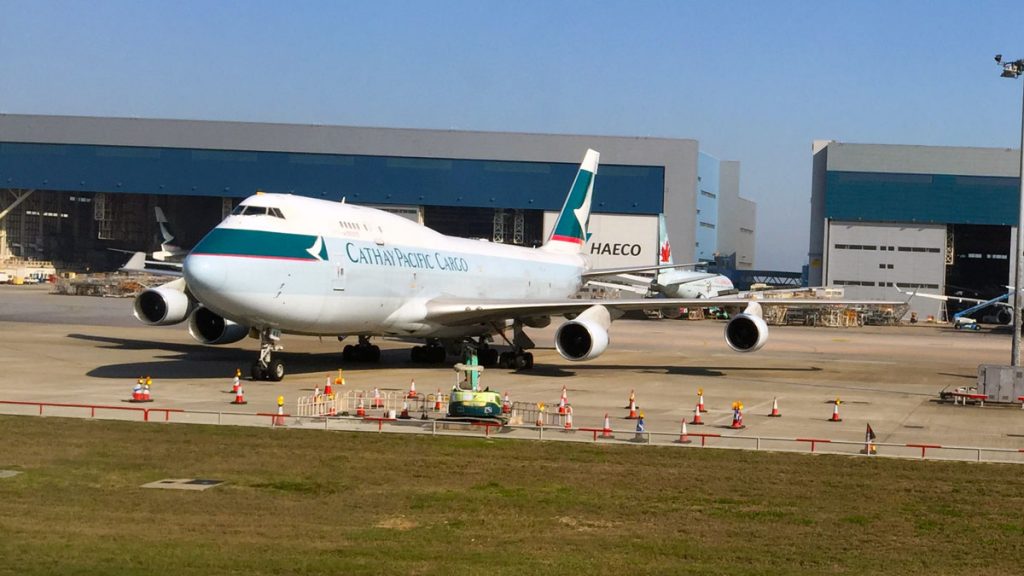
{"x": 670, "y": 280}
{"x": 290, "y": 264}
{"x": 167, "y": 260}
{"x": 998, "y": 310}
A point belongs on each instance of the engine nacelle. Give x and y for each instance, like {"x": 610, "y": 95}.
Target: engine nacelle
{"x": 746, "y": 332}
{"x": 162, "y": 305}
{"x": 586, "y": 336}
{"x": 208, "y": 327}
{"x": 1001, "y": 316}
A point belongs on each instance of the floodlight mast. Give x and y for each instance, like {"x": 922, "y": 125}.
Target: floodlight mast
{"x": 1013, "y": 70}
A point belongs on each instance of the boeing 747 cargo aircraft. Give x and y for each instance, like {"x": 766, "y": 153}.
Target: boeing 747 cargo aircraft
{"x": 283, "y": 264}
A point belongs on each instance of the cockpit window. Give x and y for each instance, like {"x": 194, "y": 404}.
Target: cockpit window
{"x": 246, "y": 210}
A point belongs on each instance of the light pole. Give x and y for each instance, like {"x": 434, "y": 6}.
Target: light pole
{"x": 1013, "y": 70}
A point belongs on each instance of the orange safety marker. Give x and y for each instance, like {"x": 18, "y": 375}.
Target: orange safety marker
{"x": 540, "y": 415}
{"x": 239, "y": 397}
{"x": 405, "y": 410}
{"x": 568, "y": 418}
{"x": 340, "y": 380}
{"x": 632, "y": 408}
{"x": 563, "y": 402}
{"x": 737, "y": 416}
{"x": 700, "y": 400}
{"x": 137, "y": 391}
{"x": 377, "y": 402}
{"x": 775, "y": 409}
{"x": 697, "y": 421}
{"x": 684, "y": 438}
{"x": 632, "y": 399}
{"x": 360, "y": 409}
{"x": 835, "y": 412}
{"x": 506, "y": 405}
{"x": 606, "y": 432}
{"x": 237, "y": 381}
{"x": 328, "y": 389}
{"x": 279, "y": 419}
{"x": 438, "y": 400}
{"x": 412, "y": 388}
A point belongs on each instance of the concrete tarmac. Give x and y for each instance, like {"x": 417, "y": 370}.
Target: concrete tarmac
{"x": 90, "y": 350}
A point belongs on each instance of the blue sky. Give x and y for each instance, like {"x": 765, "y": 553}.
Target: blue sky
{"x": 753, "y": 81}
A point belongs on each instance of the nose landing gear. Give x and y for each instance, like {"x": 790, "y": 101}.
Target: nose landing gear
{"x": 268, "y": 367}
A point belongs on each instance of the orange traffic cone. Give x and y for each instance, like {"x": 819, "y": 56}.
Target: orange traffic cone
{"x": 412, "y": 388}
{"x": 279, "y": 419}
{"x": 737, "y": 416}
{"x": 697, "y": 421}
{"x": 438, "y": 400}
{"x": 632, "y": 399}
{"x": 835, "y": 412}
{"x": 377, "y": 401}
{"x": 568, "y": 418}
{"x": 775, "y": 409}
{"x": 137, "y": 391}
{"x": 563, "y": 402}
{"x": 684, "y": 438}
{"x": 632, "y": 408}
{"x": 700, "y": 400}
{"x": 606, "y": 432}
{"x": 328, "y": 389}
{"x": 540, "y": 415}
{"x": 239, "y": 397}
{"x": 405, "y": 410}
{"x": 340, "y": 380}
{"x": 506, "y": 405}
{"x": 360, "y": 409}
{"x": 237, "y": 382}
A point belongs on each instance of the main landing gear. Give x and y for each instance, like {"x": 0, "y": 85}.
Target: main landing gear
{"x": 433, "y": 353}
{"x": 362, "y": 352}
{"x": 267, "y": 367}
{"x": 518, "y": 358}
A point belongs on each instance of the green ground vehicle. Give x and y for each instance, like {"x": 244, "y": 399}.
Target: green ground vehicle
{"x": 468, "y": 401}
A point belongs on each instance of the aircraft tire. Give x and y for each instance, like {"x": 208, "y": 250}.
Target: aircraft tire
{"x": 275, "y": 370}
{"x": 346, "y": 353}
{"x": 437, "y": 354}
{"x": 488, "y": 357}
{"x": 416, "y": 354}
{"x": 257, "y": 372}
{"x": 505, "y": 360}
{"x": 528, "y": 360}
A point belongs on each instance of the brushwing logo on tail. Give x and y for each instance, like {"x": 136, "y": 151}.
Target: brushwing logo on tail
{"x": 573, "y": 229}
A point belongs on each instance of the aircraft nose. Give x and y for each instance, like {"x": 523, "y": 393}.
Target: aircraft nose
{"x": 204, "y": 274}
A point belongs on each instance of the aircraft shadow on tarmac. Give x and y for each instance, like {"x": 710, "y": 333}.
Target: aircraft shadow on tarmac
{"x": 200, "y": 361}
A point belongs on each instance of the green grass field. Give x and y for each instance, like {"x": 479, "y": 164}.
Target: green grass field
{"x": 309, "y": 502}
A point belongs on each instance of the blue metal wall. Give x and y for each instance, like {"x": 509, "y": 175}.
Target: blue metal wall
{"x": 925, "y": 198}
{"x": 362, "y": 179}
{"x": 708, "y": 193}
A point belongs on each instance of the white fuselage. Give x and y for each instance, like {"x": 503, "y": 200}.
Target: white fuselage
{"x": 334, "y": 268}
{"x": 691, "y": 284}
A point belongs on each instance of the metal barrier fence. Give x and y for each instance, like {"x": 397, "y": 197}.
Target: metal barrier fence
{"x": 526, "y": 431}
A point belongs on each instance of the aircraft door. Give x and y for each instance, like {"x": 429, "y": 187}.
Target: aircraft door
{"x": 337, "y": 274}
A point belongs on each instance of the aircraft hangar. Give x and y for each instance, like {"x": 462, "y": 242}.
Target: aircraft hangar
{"x": 931, "y": 219}
{"x": 71, "y": 188}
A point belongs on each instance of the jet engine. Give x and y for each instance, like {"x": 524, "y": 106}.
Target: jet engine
{"x": 747, "y": 331}
{"x": 163, "y": 305}
{"x": 1001, "y": 316}
{"x": 208, "y": 327}
{"x": 586, "y": 336}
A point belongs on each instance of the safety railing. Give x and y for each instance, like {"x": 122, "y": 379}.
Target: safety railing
{"x": 383, "y": 423}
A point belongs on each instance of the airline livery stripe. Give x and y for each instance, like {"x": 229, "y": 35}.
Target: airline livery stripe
{"x": 560, "y": 238}
{"x": 292, "y": 258}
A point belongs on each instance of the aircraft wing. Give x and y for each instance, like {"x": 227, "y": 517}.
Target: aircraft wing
{"x": 633, "y": 269}
{"x": 138, "y": 263}
{"x": 452, "y": 312}
{"x": 944, "y": 298}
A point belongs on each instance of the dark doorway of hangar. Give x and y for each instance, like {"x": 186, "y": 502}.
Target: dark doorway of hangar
{"x": 980, "y": 266}
{"x": 506, "y": 226}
